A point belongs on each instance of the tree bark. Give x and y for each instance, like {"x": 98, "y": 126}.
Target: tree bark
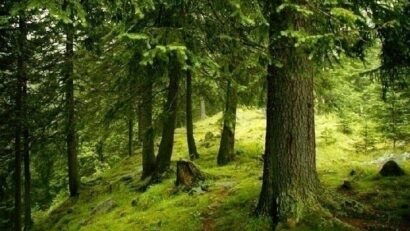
{"x": 193, "y": 153}
{"x": 227, "y": 146}
{"x": 146, "y": 129}
{"x": 266, "y": 199}
{"x": 130, "y": 123}
{"x": 163, "y": 160}
{"x": 290, "y": 167}
{"x": 71, "y": 139}
{"x": 27, "y": 180}
{"x": 140, "y": 110}
{"x": 26, "y": 156}
{"x": 21, "y": 79}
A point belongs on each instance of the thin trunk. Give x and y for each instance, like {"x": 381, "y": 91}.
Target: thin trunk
{"x": 130, "y": 119}
{"x": 26, "y": 155}
{"x": 71, "y": 139}
{"x": 130, "y": 123}
{"x": 21, "y": 78}
{"x": 146, "y": 129}
{"x": 227, "y": 146}
{"x": 203, "y": 108}
{"x": 27, "y": 180}
{"x": 140, "y": 110}
{"x": 290, "y": 172}
{"x": 163, "y": 160}
{"x": 193, "y": 154}
{"x": 265, "y": 203}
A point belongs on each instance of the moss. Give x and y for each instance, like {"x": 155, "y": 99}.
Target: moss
{"x": 233, "y": 189}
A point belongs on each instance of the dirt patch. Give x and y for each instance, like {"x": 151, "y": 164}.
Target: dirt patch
{"x": 209, "y": 218}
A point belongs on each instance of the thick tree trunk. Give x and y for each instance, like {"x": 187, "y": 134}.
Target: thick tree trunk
{"x": 290, "y": 171}
{"x": 227, "y": 145}
{"x": 203, "y": 108}
{"x": 71, "y": 139}
{"x": 163, "y": 160}
{"x": 146, "y": 129}
{"x": 193, "y": 153}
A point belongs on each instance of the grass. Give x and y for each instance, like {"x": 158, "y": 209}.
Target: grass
{"x": 233, "y": 189}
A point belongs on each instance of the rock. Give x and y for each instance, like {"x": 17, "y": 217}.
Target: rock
{"x": 134, "y": 202}
{"x": 104, "y": 207}
{"x": 70, "y": 210}
{"x": 188, "y": 174}
{"x": 239, "y": 152}
{"x": 346, "y": 186}
{"x": 391, "y": 168}
{"x": 206, "y": 144}
{"x": 126, "y": 178}
{"x": 209, "y": 136}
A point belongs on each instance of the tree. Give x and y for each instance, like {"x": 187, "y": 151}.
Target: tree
{"x": 290, "y": 138}
{"x": 290, "y": 182}
{"x": 146, "y": 126}
{"x": 21, "y": 86}
{"x": 226, "y": 151}
{"x": 193, "y": 153}
{"x": 163, "y": 159}
{"x": 71, "y": 135}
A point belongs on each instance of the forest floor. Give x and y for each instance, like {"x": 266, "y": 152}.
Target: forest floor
{"x": 108, "y": 201}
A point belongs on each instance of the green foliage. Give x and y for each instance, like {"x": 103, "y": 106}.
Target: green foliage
{"x": 120, "y": 44}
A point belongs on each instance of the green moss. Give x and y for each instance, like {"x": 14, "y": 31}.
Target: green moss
{"x": 233, "y": 189}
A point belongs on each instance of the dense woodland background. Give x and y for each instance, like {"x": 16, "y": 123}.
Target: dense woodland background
{"x": 288, "y": 109}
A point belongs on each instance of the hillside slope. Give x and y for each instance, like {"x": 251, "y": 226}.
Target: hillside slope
{"x": 109, "y": 202}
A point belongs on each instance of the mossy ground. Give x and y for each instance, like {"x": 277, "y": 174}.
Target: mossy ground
{"x": 233, "y": 189}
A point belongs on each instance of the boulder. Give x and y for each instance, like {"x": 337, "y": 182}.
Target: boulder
{"x": 104, "y": 207}
{"x": 346, "y": 186}
{"x": 391, "y": 168}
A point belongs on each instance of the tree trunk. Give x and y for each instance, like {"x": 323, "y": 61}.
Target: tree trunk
{"x": 27, "y": 180}
{"x": 140, "y": 110}
{"x": 26, "y": 155}
{"x": 290, "y": 171}
{"x": 71, "y": 139}
{"x": 266, "y": 199}
{"x": 203, "y": 109}
{"x": 163, "y": 160}
{"x": 130, "y": 123}
{"x": 146, "y": 129}
{"x": 226, "y": 149}
{"x": 193, "y": 154}
{"x": 21, "y": 81}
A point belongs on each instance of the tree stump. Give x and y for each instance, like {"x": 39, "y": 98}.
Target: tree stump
{"x": 391, "y": 168}
{"x": 188, "y": 174}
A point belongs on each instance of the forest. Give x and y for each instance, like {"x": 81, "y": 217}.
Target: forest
{"x": 185, "y": 115}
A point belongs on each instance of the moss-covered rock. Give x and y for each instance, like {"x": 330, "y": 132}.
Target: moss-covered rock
{"x": 391, "y": 168}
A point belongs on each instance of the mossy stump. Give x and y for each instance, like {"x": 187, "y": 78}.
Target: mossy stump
{"x": 188, "y": 174}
